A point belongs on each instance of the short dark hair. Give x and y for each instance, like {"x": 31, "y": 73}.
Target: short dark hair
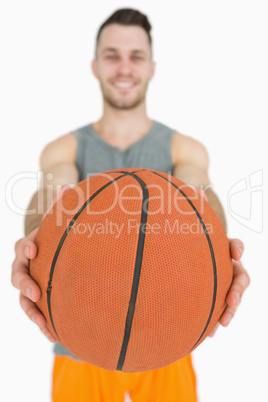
{"x": 127, "y": 16}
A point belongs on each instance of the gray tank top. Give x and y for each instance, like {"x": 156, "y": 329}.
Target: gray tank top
{"x": 94, "y": 155}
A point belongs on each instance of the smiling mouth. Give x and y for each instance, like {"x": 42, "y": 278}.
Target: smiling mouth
{"x": 124, "y": 85}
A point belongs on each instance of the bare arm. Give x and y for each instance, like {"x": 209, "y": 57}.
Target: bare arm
{"x": 192, "y": 168}
{"x": 58, "y": 165}
{"x": 192, "y": 163}
{"x": 42, "y": 200}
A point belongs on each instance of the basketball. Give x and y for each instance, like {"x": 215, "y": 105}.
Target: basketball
{"x": 134, "y": 268}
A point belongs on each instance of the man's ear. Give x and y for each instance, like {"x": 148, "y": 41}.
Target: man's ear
{"x": 94, "y": 68}
{"x": 152, "y": 72}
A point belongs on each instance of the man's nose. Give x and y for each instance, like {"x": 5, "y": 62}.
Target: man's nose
{"x": 124, "y": 67}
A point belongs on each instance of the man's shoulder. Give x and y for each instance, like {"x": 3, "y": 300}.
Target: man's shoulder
{"x": 61, "y": 150}
{"x": 185, "y": 147}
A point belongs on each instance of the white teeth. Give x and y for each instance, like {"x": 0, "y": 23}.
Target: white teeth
{"x": 123, "y": 84}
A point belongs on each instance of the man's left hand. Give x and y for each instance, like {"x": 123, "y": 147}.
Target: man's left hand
{"x": 240, "y": 282}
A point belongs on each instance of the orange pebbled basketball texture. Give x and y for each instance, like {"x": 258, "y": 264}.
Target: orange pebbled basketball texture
{"x": 134, "y": 267}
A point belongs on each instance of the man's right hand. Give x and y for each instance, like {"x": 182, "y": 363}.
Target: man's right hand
{"x": 25, "y": 250}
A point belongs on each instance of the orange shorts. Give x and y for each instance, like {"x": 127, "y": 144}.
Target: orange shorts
{"x": 77, "y": 381}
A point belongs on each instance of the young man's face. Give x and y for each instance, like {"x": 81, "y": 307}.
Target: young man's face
{"x": 123, "y": 65}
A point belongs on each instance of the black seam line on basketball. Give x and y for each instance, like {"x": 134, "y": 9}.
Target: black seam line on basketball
{"x": 137, "y": 272}
{"x": 65, "y": 234}
{"x": 212, "y": 257}
{"x": 123, "y": 171}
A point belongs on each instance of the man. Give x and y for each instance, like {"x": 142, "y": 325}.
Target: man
{"x": 124, "y": 137}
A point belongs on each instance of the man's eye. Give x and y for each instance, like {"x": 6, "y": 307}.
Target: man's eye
{"x": 137, "y": 58}
{"x": 111, "y": 57}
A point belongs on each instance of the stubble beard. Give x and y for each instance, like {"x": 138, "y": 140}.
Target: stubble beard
{"x": 121, "y": 104}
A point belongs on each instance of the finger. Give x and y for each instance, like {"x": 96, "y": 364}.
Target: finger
{"x": 21, "y": 279}
{"x": 236, "y": 248}
{"x": 227, "y": 316}
{"x": 26, "y": 247}
{"x": 32, "y": 311}
{"x": 31, "y": 237}
{"x": 240, "y": 282}
{"x": 47, "y": 333}
{"x": 214, "y": 330}
{"x": 36, "y": 316}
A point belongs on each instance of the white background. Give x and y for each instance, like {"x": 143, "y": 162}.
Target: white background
{"x": 211, "y": 83}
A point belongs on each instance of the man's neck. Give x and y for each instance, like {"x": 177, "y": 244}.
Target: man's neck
{"x": 122, "y": 127}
